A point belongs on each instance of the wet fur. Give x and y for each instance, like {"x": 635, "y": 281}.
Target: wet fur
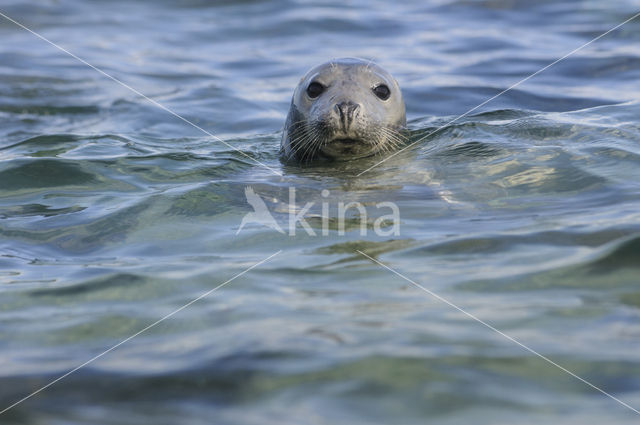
{"x": 306, "y": 137}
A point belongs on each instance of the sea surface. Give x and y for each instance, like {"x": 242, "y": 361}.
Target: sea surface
{"x": 520, "y": 217}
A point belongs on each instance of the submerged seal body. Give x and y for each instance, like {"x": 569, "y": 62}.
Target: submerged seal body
{"x": 344, "y": 109}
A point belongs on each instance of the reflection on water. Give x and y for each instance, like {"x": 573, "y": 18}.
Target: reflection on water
{"x": 114, "y": 213}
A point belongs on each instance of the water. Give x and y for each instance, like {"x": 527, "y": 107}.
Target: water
{"x": 114, "y": 213}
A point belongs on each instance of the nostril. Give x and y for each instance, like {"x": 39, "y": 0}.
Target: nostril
{"x": 346, "y": 111}
{"x": 346, "y": 108}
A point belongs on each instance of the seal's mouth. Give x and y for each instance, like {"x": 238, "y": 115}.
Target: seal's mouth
{"x": 346, "y": 148}
{"x": 347, "y": 141}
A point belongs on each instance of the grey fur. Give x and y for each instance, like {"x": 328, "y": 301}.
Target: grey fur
{"x": 347, "y": 120}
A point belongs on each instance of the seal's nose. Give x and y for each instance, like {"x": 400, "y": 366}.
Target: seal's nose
{"x": 346, "y": 111}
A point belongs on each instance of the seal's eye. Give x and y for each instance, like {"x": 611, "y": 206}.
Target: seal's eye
{"x": 382, "y": 91}
{"x": 314, "y": 90}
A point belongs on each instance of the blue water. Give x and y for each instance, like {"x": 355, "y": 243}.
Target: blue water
{"x": 114, "y": 213}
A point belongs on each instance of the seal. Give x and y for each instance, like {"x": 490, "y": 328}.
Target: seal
{"x": 343, "y": 110}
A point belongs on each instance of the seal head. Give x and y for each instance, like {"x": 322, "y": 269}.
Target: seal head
{"x": 342, "y": 110}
